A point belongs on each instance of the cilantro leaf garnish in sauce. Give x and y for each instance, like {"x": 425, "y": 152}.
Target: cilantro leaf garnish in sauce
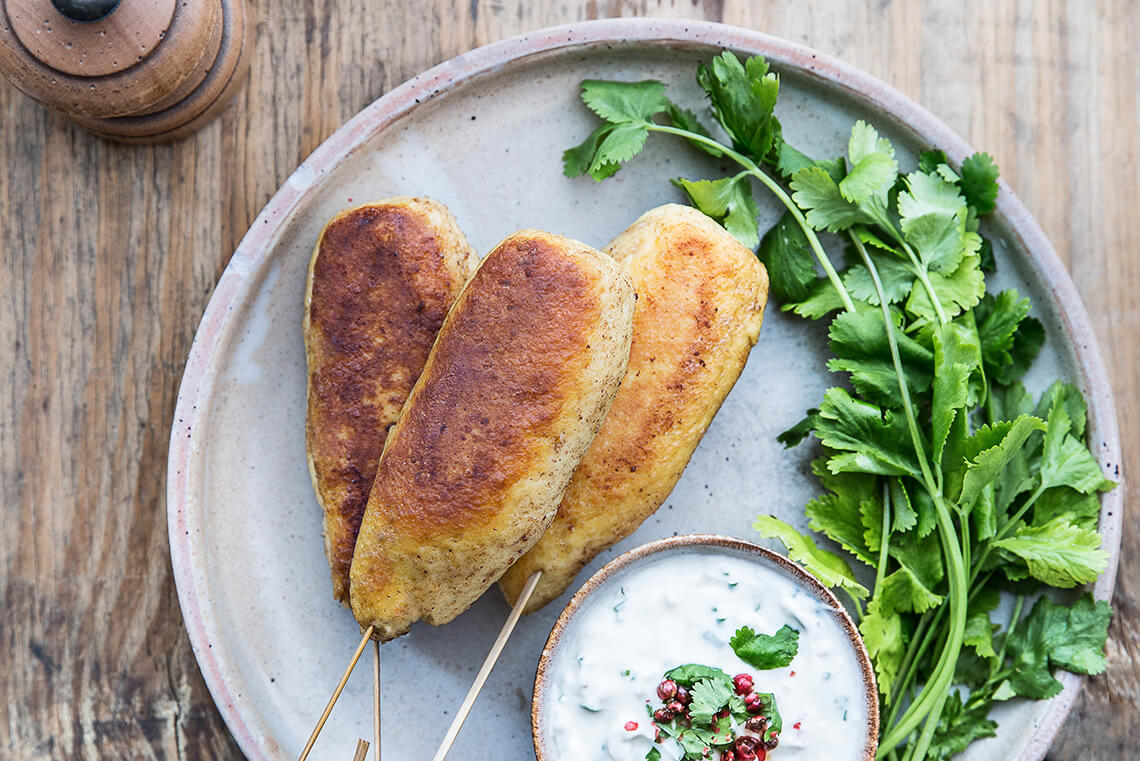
{"x": 764, "y": 651}
{"x": 712, "y": 715}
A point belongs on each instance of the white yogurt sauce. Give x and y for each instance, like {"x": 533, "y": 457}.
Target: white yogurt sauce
{"x": 682, "y": 607}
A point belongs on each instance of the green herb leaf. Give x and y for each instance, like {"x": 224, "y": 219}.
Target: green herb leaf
{"x": 989, "y": 463}
{"x": 766, "y": 651}
{"x": 903, "y": 515}
{"x": 905, "y": 593}
{"x": 728, "y": 201}
{"x": 895, "y": 275}
{"x": 821, "y": 300}
{"x": 958, "y": 727}
{"x": 579, "y": 159}
{"x": 1078, "y": 646}
{"x": 837, "y": 512}
{"x": 1027, "y": 343}
{"x": 921, "y": 557}
{"x": 828, "y": 567}
{"x": 873, "y": 167}
{"x": 1058, "y": 553}
{"x": 619, "y": 102}
{"x": 873, "y": 440}
{"x": 1063, "y": 502}
{"x": 1068, "y": 396}
{"x": 1065, "y": 461}
{"x": 957, "y": 356}
{"x": 932, "y": 216}
{"x": 980, "y": 633}
{"x": 743, "y": 97}
{"x": 626, "y": 107}
{"x": 690, "y": 673}
{"x": 1007, "y": 402}
{"x": 653, "y": 755}
{"x": 998, "y": 318}
{"x": 799, "y": 431}
{"x": 788, "y": 161}
{"x": 883, "y": 637}
{"x": 1018, "y": 476}
{"x": 785, "y": 253}
{"x": 620, "y": 144}
{"x": 1067, "y": 636}
{"x": 922, "y": 504}
{"x": 818, "y": 194}
{"x": 771, "y": 712}
{"x": 860, "y": 344}
{"x": 709, "y": 697}
{"x": 955, "y": 292}
{"x": 694, "y": 742}
{"x": 687, "y": 120}
{"x": 979, "y": 182}
{"x": 929, "y": 160}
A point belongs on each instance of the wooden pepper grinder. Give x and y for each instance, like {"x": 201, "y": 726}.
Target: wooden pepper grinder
{"x": 137, "y": 71}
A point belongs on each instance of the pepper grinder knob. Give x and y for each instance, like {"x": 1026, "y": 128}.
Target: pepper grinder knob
{"x": 128, "y": 70}
{"x": 85, "y": 10}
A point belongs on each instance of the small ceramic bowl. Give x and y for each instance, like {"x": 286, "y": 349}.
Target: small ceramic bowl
{"x": 705, "y": 543}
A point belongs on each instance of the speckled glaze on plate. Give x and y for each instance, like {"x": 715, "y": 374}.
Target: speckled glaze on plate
{"x": 721, "y": 545}
{"x": 483, "y": 133}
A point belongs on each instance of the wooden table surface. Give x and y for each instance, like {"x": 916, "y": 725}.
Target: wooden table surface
{"x": 110, "y": 255}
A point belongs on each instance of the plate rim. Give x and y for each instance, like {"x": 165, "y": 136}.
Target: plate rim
{"x": 255, "y": 246}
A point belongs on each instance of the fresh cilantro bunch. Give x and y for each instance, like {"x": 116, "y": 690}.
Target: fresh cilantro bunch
{"x": 941, "y": 473}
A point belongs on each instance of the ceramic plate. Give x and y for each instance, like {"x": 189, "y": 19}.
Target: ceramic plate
{"x": 483, "y": 133}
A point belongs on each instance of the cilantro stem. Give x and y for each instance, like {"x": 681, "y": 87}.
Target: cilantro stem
{"x": 918, "y": 750}
{"x": 921, "y": 274}
{"x": 904, "y": 391}
{"x": 885, "y": 540}
{"x": 1005, "y": 527}
{"x": 976, "y": 568}
{"x": 1013, "y": 619}
{"x": 916, "y": 264}
{"x": 933, "y": 696}
{"x": 774, "y": 187}
{"x": 964, "y": 524}
{"x": 924, "y": 635}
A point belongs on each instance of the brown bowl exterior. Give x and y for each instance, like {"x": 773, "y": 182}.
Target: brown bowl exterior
{"x": 734, "y": 546}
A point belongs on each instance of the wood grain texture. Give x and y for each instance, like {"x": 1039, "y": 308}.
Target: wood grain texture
{"x": 110, "y": 254}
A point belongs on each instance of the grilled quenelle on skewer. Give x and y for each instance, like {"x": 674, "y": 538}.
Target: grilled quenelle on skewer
{"x": 700, "y": 302}
{"x": 517, "y": 384}
{"x": 381, "y": 280}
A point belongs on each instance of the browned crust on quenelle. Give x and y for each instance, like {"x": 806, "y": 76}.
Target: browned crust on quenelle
{"x": 382, "y": 278}
{"x": 516, "y": 385}
{"x": 700, "y": 303}
{"x": 710, "y": 543}
{"x": 466, "y": 455}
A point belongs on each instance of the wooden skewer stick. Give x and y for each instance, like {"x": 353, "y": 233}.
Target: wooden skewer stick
{"x": 361, "y": 751}
{"x": 376, "y": 696}
{"x": 488, "y": 664}
{"x": 336, "y": 694}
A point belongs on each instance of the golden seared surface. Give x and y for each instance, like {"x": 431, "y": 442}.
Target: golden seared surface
{"x": 381, "y": 281}
{"x": 700, "y": 302}
{"x": 519, "y": 380}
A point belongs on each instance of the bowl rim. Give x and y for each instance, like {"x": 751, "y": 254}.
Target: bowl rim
{"x": 679, "y": 544}
{"x": 254, "y": 253}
